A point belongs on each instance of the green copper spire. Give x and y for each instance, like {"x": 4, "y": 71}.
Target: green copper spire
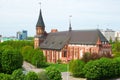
{"x": 40, "y": 22}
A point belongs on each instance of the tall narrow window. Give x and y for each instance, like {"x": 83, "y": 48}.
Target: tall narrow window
{"x": 64, "y": 54}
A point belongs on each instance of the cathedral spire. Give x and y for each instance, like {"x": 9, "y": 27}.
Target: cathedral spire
{"x": 40, "y": 22}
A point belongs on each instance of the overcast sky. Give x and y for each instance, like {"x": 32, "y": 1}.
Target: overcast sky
{"x": 18, "y": 15}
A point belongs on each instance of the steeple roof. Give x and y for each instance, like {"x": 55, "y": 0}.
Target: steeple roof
{"x": 40, "y": 22}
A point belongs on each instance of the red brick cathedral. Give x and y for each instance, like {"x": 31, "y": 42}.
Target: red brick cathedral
{"x": 68, "y": 45}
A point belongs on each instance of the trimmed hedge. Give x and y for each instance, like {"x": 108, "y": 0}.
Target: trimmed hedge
{"x": 103, "y": 68}
{"x": 54, "y": 74}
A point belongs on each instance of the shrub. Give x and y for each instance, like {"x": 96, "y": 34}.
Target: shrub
{"x": 54, "y": 74}
{"x": 18, "y": 75}
{"x": 76, "y": 68}
{"x": 103, "y": 68}
{"x": 86, "y": 57}
{"x": 5, "y": 76}
{"x": 92, "y": 70}
{"x": 59, "y": 61}
{"x": 11, "y": 60}
{"x": 31, "y": 76}
{"x": 43, "y": 76}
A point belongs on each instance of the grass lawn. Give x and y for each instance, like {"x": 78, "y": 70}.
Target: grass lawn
{"x": 60, "y": 67}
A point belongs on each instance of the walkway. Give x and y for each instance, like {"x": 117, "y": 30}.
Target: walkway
{"x": 65, "y": 75}
{"x": 29, "y": 67}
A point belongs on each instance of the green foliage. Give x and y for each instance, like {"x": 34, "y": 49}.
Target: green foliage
{"x": 43, "y": 76}
{"x": 71, "y": 65}
{"x": 5, "y": 76}
{"x": 102, "y": 69}
{"x": 30, "y": 38}
{"x": 19, "y": 44}
{"x": 86, "y": 57}
{"x": 27, "y": 52}
{"x": 34, "y": 56}
{"x": 0, "y": 60}
{"x": 116, "y": 48}
{"x": 31, "y": 76}
{"x": 11, "y": 60}
{"x": 60, "y": 67}
{"x": 59, "y": 61}
{"x": 54, "y": 74}
{"x": 6, "y": 47}
{"x": 18, "y": 75}
{"x": 38, "y": 58}
{"x": 76, "y": 68}
{"x": 93, "y": 56}
{"x": 111, "y": 41}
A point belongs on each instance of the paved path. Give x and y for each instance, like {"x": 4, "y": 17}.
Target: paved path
{"x": 65, "y": 75}
{"x": 28, "y": 67}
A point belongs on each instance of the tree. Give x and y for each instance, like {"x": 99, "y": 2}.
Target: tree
{"x": 26, "y": 51}
{"x": 11, "y": 60}
{"x": 77, "y": 68}
{"x": 19, "y": 44}
{"x": 31, "y": 76}
{"x": 116, "y": 48}
{"x": 54, "y": 74}
{"x": 86, "y": 57}
{"x": 18, "y": 75}
{"x": 111, "y": 41}
{"x": 38, "y": 58}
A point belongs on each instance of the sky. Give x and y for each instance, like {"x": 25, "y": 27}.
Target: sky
{"x": 18, "y": 15}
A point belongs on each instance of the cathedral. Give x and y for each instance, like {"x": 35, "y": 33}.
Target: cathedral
{"x": 68, "y": 45}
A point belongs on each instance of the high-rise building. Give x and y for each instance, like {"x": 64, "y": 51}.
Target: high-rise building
{"x": 22, "y": 35}
{"x": 19, "y": 35}
{"x": 117, "y": 35}
{"x": 109, "y": 34}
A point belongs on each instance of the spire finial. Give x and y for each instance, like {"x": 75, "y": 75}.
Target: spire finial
{"x": 70, "y": 28}
{"x": 40, "y": 4}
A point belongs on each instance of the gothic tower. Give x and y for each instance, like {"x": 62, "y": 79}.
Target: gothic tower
{"x": 40, "y": 31}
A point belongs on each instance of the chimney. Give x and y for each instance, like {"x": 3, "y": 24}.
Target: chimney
{"x": 54, "y": 30}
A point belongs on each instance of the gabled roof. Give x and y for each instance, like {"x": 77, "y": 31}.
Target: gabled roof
{"x": 84, "y": 37}
{"x": 40, "y": 22}
{"x": 54, "y": 42}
